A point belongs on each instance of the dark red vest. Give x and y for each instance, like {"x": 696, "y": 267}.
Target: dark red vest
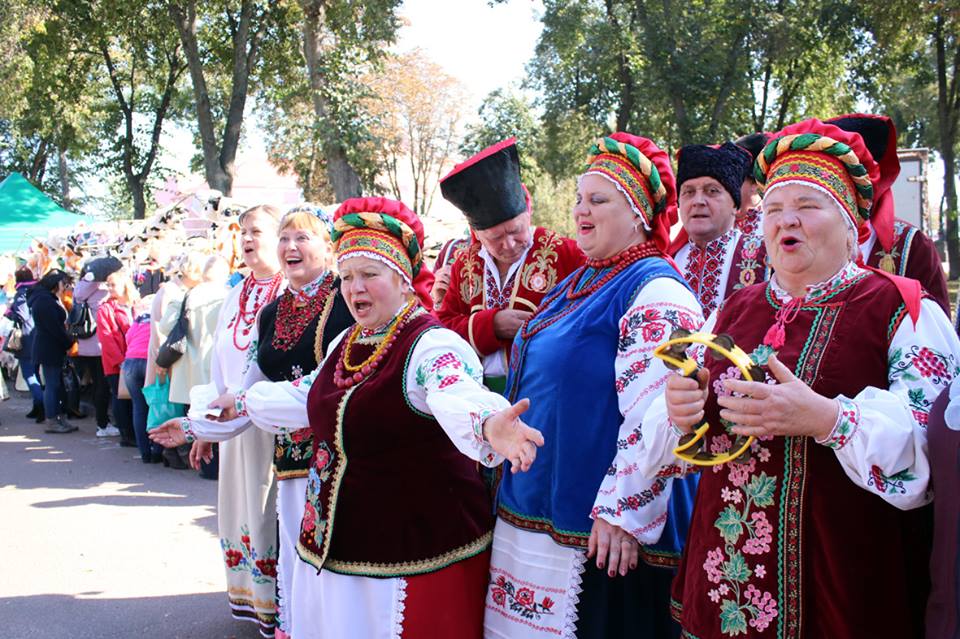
{"x": 388, "y": 494}
{"x": 787, "y": 546}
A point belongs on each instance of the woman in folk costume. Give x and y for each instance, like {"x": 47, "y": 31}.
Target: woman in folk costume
{"x": 396, "y": 528}
{"x": 246, "y": 500}
{"x": 288, "y": 339}
{"x": 796, "y": 539}
{"x": 575, "y": 551}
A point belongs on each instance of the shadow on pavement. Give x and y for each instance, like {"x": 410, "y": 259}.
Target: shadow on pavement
{"x": 185, "y": 616}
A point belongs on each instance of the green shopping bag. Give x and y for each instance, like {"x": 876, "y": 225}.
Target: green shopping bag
{"x": 157, "y": 395}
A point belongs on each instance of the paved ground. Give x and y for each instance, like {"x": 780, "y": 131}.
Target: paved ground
{"x": 94, "y": 543}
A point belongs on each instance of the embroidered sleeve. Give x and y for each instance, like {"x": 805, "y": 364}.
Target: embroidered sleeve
{"x": 277, "y": 407}
{"x": 444, "y": 378}
{"x": 631, "y": 497}
{"x": 881, "y": 435}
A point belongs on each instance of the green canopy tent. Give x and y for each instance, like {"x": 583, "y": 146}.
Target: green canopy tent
{"x": 25, "y": 212}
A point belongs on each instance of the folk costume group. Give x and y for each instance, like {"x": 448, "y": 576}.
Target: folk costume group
{"x": 503, "y": 465}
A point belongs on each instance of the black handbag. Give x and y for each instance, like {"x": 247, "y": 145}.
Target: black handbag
{"x": 83, "y": 323}
{"x": 175, "y": 345}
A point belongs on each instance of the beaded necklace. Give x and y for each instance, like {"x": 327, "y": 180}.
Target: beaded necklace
{"x": 618, "y": 262}
{"x": 296, "y": 310}
{"x": 341, "y": 375}
{"x": 246, "y": 317}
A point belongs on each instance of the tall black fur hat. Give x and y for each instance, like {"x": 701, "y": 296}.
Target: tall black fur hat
{"x": 727, "y": 163}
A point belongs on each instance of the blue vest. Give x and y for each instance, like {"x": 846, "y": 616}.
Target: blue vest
{"x": 567, "y": 371}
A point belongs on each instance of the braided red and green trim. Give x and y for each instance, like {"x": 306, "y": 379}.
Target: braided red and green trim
{"x": 815, "y": 143}
{"x": 380, "y": 222}
{"x": 643, "y": 164}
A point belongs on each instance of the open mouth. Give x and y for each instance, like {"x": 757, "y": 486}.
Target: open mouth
{"x": 361, "y": 306}
{"x": 293, "y": 261}
{"x": 585, "y": 227}
{"x": 789, "y": 242}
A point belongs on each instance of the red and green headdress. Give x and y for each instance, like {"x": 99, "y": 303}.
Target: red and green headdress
{"x": 824, "y": 157}
{"x": 387, "y": 231}
{"x": 880, "y": 136}
{"x": 641, "y": 171}
{"x": 836, "y": 162}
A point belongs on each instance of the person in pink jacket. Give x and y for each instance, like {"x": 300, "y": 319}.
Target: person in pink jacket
{"x": 134, "y": 370}
{"x": 113, "y": 320}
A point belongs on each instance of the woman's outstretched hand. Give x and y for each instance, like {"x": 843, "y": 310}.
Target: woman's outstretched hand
{"x": 169, "y": 434}
{"x": 513, "y": 439}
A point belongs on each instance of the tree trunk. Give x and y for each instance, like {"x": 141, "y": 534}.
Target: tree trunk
{"x": 950, "y": 212}
{"x": 184, "y": 17}
{"x": 139, "y": 197}
{"x": 342, "y": 176}
{"x": 947, "y": 108}
{"x": 63, "y": 172}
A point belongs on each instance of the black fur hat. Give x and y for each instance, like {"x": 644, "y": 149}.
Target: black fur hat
{"x": 728, "y": 164}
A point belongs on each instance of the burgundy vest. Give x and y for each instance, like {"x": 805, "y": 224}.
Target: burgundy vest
{"x": 787, "y": 546}
{"x": 388, "y": 494}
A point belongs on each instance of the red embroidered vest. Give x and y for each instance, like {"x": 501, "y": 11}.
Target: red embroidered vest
{"x": 786, "y": 545}
{"x": 388, "y": 494}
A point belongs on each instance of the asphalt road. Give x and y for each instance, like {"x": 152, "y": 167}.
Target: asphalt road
{"x": 96, "y": 544}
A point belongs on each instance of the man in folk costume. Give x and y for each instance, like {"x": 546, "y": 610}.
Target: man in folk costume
{"x": 500, "y": 279}
{"x": 888, "y": 243}
{"x": 750, "y": 216}
{"x": 715, "y": 257}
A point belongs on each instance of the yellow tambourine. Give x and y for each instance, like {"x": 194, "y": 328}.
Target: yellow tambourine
{"x": 673, "y": 352}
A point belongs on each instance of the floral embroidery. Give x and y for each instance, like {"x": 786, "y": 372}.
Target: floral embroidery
{"x": 539, "y": 273}
{"x": 923, "y": 366}
{"x": 848, "y": 422}
{"x": 889, "y": 484}
{"x": 749, "y": 224}
{"x": 635, "y": 501}
{"x": 522, "y": 601}
{"x": 243, "y": 557}
{"x": 652, "y": 324}
{"x": 637, "y": 368}
{"x": 750, "y": 262}
{"x": 314, "y": 524}
{"x": 444, "y": 371}
{"x": 187, "y": 427}
{"x": 747, "y": 533}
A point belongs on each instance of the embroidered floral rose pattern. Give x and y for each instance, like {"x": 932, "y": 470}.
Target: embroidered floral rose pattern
{"x": 653, "y": 325}
{"x": 243, "y": 557}
{"x": 747, "y": 535}
{"x": 314, "y": 523}
{"x": 522, "y": 601}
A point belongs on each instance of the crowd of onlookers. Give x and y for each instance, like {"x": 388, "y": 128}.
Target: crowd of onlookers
{"x": 86, "y": 342}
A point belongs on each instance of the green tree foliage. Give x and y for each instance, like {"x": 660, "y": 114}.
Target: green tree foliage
{"x": 225, "y": 43}
{"x": 917, "y": 79}
{"x": 45, "y": 111}
{"x": 686, "y": 71}
{"x": 138, "y": 81}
